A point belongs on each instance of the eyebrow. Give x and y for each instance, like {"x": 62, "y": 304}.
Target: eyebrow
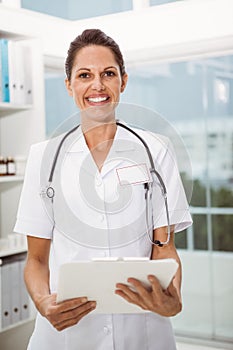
{"x": 110, "y": 67}
{"x": 83, "y": 69}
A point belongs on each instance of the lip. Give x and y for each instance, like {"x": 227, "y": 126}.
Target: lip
{"x": 97, "y": 99}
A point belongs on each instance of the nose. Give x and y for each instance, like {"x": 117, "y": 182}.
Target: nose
{"x": 97, "y": 84}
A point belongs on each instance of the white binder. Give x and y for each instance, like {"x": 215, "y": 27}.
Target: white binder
{"x": 15, "y": 291}
{"x": 20, "y": 72}
{"x": 27, "y": 73}
{"x": 13, "y": 62}
{"x": 6, "y": 314}
{"x": 97, "y": 280}
{"x": 24, "y": 297}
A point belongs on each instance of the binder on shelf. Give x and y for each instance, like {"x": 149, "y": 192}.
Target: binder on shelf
{"x": 14, "y": 299}
{"x": 24, "y": 297}
{"x": 27, "y": 74}
{"x": 15, "y": 291}
{"x": 16, "y": 72}
{"x": 14, "y": 65}
{"x": 5, "y": 95}
{"x": 20, "y": 75}
{"x": 6, "y": 316}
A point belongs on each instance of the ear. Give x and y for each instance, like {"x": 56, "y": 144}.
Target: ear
{"x": 68, "y": 87}
{"x": 124, "y": 82}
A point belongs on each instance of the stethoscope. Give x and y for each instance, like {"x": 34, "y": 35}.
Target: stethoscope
{"x": 50, "y": 192}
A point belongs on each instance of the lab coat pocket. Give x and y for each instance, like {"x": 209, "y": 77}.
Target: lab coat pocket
{"x": 133, "y": 174}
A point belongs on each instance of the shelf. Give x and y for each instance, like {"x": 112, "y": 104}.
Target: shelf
{"x": 18, "y": 324}
{"x": 12, "y": 178}
{"x": 8, "y": 108}
{"x": 12, "y": 251}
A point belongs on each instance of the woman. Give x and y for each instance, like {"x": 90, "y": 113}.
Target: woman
{"x": 95, "y": 79}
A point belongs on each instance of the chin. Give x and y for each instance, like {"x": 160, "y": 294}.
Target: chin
{"x": 99, "y": 114}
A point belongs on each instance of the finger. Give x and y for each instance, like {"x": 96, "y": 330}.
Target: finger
{"x": 136, "y": 290}
{"x": 123, "y": 295}
{"x": 172, "y": 289}
{"x": 139, "y": 286}
{"x": 136, "y": 285}
{"x": 121, "y": 285}
{"x": 71, "y": 304}
{"x": 76, "y": 312}
{"x": 125, "y": 290}
{"x": 73, "y": 321}
{"x": 156, "y": 286}
{"x": 132, "y": 296}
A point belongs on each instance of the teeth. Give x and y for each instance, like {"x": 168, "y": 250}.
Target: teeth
{"x": 97, "y": 99}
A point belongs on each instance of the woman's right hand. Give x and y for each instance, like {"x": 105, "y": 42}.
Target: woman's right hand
{"x": 60, "y": 315}
{"x": 65, "y": 314}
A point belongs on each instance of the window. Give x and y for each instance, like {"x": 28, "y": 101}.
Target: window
{"x": 200, "y": 106}
{"x": 75, "y": 10}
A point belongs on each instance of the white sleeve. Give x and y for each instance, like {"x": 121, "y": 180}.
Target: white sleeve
{"x": 32, "y": 217}
{"x": 179, "y": 215}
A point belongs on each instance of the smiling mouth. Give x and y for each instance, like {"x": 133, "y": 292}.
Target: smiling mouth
{"x": 98, "y": 99}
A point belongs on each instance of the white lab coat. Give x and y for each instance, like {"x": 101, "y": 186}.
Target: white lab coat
{"x": 98, "y": 215}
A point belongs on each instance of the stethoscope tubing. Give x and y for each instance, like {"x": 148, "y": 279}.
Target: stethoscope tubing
{"x": 50, "y": 192}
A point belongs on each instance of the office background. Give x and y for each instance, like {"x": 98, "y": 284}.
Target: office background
{"x": 194, "y": 93}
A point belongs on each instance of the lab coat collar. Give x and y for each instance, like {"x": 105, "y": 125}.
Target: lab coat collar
{"x": 121, "y": 134}
{"x": 123, "y": 147}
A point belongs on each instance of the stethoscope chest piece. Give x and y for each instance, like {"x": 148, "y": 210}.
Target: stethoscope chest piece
{"x": 50, "y": 192}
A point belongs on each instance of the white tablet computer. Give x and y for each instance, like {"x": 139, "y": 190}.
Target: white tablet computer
{"x": 97, "y": 280}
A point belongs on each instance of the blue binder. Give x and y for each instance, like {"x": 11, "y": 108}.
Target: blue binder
{"x": 4, "y": 70}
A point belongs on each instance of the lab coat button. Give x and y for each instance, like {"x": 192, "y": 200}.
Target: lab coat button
{"x": 98, "y": 181}
{"x": 106, "y": 330}
{"x": 102, "y": 218}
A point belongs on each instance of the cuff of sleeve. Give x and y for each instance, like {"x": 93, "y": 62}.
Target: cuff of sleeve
{"x": 34, "y": 228}
{"x": 181, "y": 219}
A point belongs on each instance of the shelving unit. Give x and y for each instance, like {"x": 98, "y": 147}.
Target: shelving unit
{"x": 13, "y": 178}
{"x": 21, "y": 125}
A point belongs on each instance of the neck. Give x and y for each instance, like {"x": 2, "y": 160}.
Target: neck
{"x": 99, "y": 135}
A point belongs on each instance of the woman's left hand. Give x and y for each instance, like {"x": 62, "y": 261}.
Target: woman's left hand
{"x": 163, "y": 302}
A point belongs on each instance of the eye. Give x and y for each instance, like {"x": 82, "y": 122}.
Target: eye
{"x": 84, "y": 75}
{"x": 109, "y": 73}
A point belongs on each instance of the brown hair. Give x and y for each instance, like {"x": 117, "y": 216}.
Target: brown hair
{"x": 92, "y": 37}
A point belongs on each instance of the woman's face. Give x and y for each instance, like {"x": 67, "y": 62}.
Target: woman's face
{"x": 96, "y": 82}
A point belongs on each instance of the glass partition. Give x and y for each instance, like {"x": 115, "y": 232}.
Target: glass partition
{"x": 196, "y": 97}
{"x": 59, "y": 105}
